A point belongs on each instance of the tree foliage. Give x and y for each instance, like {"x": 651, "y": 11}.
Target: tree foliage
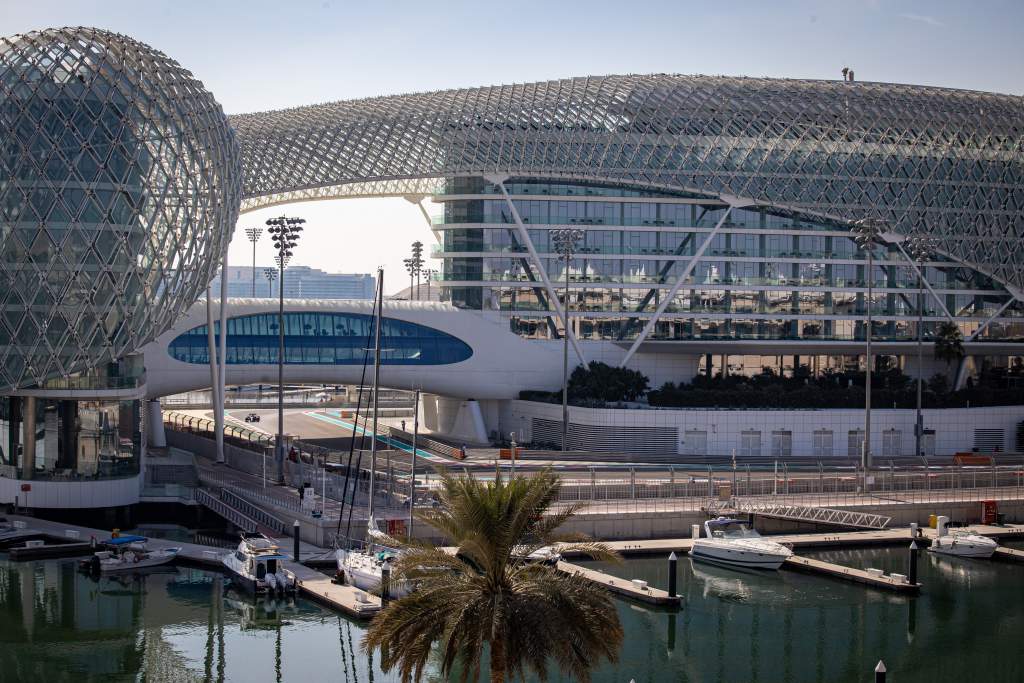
{"x": 528, "y": 615}
{"x": 949, "y": 344}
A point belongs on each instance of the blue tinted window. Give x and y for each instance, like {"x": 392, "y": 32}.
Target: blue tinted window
{"x": 322, "y": 339}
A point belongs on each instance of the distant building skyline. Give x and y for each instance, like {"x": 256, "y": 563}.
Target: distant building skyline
{"x": 300, "y": 282}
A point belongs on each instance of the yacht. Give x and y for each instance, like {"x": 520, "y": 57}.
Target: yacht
{"x": 961, "y": 543}
{"x": 732, "y": 542}
{"x": 365, "y": 569}
{"x": 128, "y": 553}
{"x": 257, "y": 566}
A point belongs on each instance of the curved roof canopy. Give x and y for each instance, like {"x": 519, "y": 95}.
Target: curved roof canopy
{"x": 933, "y": 160}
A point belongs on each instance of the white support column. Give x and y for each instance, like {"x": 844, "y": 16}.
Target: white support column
{"x": 211, "y": 346}
{"x": 222, "y": 363}
{"x": 524, "y": 236}
{"x": 994, "y": 316}
{"x": 918, "y": 272}
{"x": 734, "y": 202}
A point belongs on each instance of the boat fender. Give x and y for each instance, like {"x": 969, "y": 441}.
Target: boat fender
{"x": 136, "y": 558}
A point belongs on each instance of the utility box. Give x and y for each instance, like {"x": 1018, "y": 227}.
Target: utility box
{"x": 989, "y": 511}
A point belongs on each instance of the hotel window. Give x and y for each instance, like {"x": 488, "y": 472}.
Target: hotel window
{"x": 822, "y": 443}
{"x": 782, "y": 443}
{"x": 750, "y": 443}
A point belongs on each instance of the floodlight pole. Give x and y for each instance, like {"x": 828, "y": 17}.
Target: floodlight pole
{"x": 253, "y": 235}
{"x": 564, "y": 241}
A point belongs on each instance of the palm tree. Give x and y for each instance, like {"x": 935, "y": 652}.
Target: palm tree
{"x": 949, "y": 343}
{"x": 529, "y": 614}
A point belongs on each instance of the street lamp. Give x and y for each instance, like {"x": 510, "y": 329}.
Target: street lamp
{"x": 867, "y": 232}
{"x": 564, "y": 241}
{"x": 920, "y": 248}
{"x": 284, "y": 232}
{"x": 253, "y": 234}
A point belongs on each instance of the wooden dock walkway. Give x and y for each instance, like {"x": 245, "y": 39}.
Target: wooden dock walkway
{"x": 312, "y": 583}
{"x": 1008, "y": 554}
{"x": 624, "y": 587}
{"x": 890, "y": 582}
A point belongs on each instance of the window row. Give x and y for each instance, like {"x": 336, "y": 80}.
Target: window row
{"x": 823, "y": 444}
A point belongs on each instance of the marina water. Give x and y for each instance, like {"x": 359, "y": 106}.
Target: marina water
{"x": 183, "y": 624}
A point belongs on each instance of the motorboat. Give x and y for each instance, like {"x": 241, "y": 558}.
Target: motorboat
{"x": 961, "y": 543}
{"x": 546, "y": 555}
{"x": 257, "y": 566}
{"x": 732, "y": 542}
{"x": 128, "y": 553}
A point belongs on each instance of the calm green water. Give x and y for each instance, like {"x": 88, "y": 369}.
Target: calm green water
{"x": 189, "y": 625}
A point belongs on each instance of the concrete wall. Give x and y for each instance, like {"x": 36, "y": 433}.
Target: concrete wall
{"x": 954, "y": 427}
{"x": 85, "y": 493}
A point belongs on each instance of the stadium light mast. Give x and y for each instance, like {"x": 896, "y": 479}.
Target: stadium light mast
{"x": 285, "y": 232}
{"x": 253, "y": 235}
{"x": 565, "y": 241}
{"x": 868, "y": 231}
{"x": 920, "y": 250}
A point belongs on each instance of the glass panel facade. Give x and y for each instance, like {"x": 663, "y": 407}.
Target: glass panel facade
{"x": 320, "y": 338}
{"x": 765, "y": 275}
{"x": 71, "y": 440}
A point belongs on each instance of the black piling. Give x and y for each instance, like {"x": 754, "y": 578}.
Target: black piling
{"x": 880, "y": 672}
{"x": 912, "y": 561}
{"x": 295, "y": 540}
{"x": 385, "y": 585}
{"x": 672, "y": 562}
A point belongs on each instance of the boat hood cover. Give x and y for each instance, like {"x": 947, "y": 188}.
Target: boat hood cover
{"x": 122, "y": 540}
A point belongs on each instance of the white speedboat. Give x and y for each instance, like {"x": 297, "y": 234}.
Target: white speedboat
{"x": 128, "y": 553}
{"x": 964, "y": 544}
{"x": 960, "y": 543}
{"x": 257, "y": 566}
{"x": 546, "y": 555}
{"x": 732, "y": 542}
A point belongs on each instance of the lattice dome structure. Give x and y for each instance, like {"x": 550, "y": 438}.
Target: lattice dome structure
{"x": 119, "y": 188}
{"x": 926, "y": 160}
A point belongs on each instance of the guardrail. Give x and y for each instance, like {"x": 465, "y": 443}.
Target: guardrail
{"x": 236, "y": 517}
{"x": 252, "y": 511}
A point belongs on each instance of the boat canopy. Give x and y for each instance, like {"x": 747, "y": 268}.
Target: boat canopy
{"x": 724, "y": 521}
{"x": 123, "y": 540}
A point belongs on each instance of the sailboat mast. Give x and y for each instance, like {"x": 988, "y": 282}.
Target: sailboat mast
{"x": 376, "y": 385}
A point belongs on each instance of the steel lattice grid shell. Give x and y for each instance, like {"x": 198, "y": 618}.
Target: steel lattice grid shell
{"x": 119, "y": 187}
{"x": 926, "y": 160}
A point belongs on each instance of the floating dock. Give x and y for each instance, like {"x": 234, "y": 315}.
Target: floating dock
{"x": 348, "y": 599}
{"x": 875, "y": 579}
{"x": 625, "y": 587}
{"x": 1008, "y": 554}
{"x": 49, "y": 551}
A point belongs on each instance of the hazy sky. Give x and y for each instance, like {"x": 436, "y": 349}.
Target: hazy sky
{"x": 259, "y": 55}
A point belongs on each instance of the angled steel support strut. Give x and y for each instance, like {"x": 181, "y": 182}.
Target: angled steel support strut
{"x": 499, "y": 180}
{"x": 733, "y": 202}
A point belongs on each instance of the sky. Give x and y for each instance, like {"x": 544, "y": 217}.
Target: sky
{"x": 259, "y": 55}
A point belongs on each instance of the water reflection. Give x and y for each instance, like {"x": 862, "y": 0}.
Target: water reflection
{"x": 189, "y": 625}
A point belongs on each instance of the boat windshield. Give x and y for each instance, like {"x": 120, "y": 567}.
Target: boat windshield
{"x": 733, "y": 530}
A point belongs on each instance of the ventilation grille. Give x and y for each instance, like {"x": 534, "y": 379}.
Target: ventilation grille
{"x": 989, "y": 440}
{"x": 607, "y": 438}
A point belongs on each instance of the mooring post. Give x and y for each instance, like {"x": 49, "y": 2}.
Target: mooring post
{"x": 295, "y": 540}
{"x": 912, "y": 573}
{"x": 672, "y": 562}
{"x": 880, "y": 672}
{"x": 385, "y": 585}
